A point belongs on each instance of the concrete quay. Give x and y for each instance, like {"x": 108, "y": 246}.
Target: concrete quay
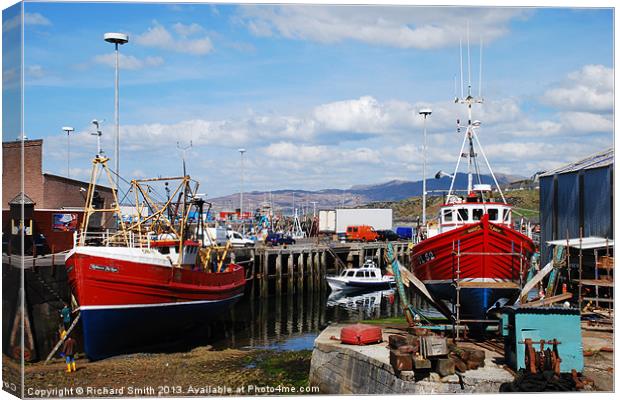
{"x": 347, "y": 369}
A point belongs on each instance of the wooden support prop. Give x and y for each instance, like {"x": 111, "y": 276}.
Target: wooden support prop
{"x": 534, "y": 281}
{"x": 62, "y": 340}
{"x": 547, "y": 301}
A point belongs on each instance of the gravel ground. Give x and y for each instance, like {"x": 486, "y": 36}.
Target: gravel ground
{"x": 199, "y": 372}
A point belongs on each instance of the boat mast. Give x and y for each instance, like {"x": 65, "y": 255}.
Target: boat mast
{"x": 470, "y": 133}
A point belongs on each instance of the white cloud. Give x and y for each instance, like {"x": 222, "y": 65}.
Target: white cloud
{"x": 589, "y": 89}
{"x": 365, "y": 114}
{"x": 29, "y": 19}
{"x": 586, "y": 122}
{"x": 300, "y": 156}
{"x": 394, "y": 120}
{"x": 232, "y": 132}
{"x": 159, "y": 37}
{"x": 406, "y": 27}
{"x": 35, "y": 19}
{"x": 187, "y": 30}
{"x": 34, "y": 71}
{"x": 128, "y": 61}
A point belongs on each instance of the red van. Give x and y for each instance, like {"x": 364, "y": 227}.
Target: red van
{"x": 361, "y": 233}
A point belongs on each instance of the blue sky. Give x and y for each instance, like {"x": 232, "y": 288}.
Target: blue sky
{"x": 320, "y": 96}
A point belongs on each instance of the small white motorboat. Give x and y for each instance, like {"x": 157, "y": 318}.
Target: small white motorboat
{"x": 368, "y": 276}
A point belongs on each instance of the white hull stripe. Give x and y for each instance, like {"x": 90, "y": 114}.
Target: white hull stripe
{"x": 179, "y": 303}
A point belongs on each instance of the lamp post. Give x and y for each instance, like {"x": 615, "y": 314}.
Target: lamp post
{"x": 116, "y": 38}
{"x": 241, "y": 151}
{"x": 424, "y": 112}
{"x": 68, "y": 129}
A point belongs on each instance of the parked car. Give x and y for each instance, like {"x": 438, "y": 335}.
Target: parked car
{"x": 276, "y": 239}
{"x": 387, "y": 235}
{"x": 361, "y": 233}
{"x": 237, "y": 240}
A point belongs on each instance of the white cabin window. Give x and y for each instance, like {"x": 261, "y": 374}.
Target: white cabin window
{"x": 463, "y": 214}
{"x": 493, "y": 214}
{"x": 359, "y": 274}
{"x": 372, "y": 274}
{"x": 477, "y": 214}
{"x": 351, "y": 273}
{"x": 447, "y": 215}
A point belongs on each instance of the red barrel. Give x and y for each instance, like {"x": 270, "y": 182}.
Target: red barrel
{"x": 361, "y": 334}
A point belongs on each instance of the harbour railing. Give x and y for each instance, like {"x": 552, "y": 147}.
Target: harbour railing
{"x": 109, "y": 238}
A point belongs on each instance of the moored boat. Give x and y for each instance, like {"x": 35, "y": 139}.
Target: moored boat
{"x": 471, "y": 256}
{"x": 368, "y": 276}
{"x": 146, "y": 282}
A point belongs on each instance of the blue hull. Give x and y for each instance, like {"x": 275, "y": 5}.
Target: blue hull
{"x": 112, "y": 331}
{"x": 475, "y": 302}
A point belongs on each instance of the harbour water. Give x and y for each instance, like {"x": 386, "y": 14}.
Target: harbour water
{"x": 288, "y": 322}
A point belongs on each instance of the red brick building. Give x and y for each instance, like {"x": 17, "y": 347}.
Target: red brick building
{"x": 58, "y": 201}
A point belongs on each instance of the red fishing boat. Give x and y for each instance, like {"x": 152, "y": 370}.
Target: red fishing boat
{"x": 471, "y": 256}
{"x": 144, "y": 282}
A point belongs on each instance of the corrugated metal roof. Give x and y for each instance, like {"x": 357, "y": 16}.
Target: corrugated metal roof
{"x": 598, "y": 160}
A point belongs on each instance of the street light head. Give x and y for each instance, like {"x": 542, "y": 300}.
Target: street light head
{"x": 441, "y": 174}
{"x": 425, "y": 111}
{"x": 67, "y": 129}
{"x": 242, "y": 151}
{"x": 116, "y": 38}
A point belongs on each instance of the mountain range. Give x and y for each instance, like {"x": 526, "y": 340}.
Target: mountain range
{"x": 287, "y": 199}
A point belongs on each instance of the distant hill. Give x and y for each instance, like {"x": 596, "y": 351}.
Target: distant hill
{"x": 525, "y": 203}
{"x": 356, "y": 195}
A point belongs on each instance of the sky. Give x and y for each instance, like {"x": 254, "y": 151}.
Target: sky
{"x": 319, "y": 96}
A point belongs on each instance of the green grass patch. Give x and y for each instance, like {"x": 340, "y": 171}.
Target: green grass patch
{"x": 285, "y": 367}
{"x": 385, "y": 321}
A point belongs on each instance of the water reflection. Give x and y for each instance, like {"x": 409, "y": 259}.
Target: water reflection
{"x": 291, "y": 322}
{"x": 360, "y": 305}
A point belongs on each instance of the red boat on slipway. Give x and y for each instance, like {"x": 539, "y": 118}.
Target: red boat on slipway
{"x": 143, "y": 283}
{"x": 472, "y": 257}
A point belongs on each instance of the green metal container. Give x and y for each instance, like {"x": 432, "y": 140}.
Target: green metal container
{"x": 546, "y": 323}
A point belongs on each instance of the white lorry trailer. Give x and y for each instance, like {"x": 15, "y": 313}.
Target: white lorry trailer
{"x": 336, "y": 221}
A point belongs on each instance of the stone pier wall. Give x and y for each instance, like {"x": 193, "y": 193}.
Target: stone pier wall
{"x": 343, "y": 369}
